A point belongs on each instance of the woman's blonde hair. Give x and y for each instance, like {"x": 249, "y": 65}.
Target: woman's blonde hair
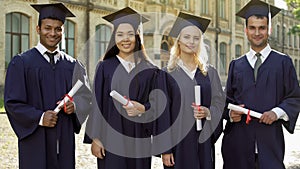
{"x": 200, "y": 57}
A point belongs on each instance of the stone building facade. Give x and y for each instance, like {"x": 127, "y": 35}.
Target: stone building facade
{"x": 87, "y": 34}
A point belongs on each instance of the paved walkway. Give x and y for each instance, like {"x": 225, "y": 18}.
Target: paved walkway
{"x": 84, "y": 159}
{"x": 292, "y": 149}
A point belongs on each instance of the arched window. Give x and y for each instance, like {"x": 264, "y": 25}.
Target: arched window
{"x": 16, "y": 35}
{"x": 69, "y": 38}
{"x": 237, "y": 8}
{"x": 295, "y": 40}
{"x": 299, "y": 41}
{"x": 299, "y": 69}
{"x": 290, "y": 37}
{"x": 238, "y": 51}
{"x": 165, "y": 47}
{"x": 208, "y": 49}
{"x": 187, "y": 4}
{"x": 103, "y": 33}
{"x": 283, "y": 35}
{"x": 166, "y": 44}
{"x": 204, "y": 7}
{"x": 221, "y": 9}
{"x": 223, "y": 53}
{"x": 278, "y": 32}
{"x": 296, "y": 64}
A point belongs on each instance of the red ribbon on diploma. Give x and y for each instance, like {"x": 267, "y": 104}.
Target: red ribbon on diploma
{"x": 198, "y": 106}
{"x": 248, "y": 119}
{"x": 128, "y": 100}
{"x": 65, "y": 106}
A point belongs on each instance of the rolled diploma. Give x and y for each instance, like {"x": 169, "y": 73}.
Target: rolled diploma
{"x": 120, "y": 98}
{"x": 71, "y": 93}
{"x": 245, "y": 111}
{"x": 198, "y": 103}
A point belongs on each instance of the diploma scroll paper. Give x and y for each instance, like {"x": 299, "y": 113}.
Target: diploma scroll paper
{"x": 71, "y": 93}
{"x": 198, "y": 103}
{"x": 245, "y": 111}
{"x": 120, "y": 98}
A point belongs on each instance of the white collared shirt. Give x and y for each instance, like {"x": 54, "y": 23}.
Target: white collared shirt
{"x": 191, "y": 74}
{"x": 42, "y": 49}
{"x": 264, "y": 54}
{"x": 126, "y": 64}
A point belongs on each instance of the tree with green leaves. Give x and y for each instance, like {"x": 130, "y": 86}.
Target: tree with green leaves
{"x": 295, "y": 4}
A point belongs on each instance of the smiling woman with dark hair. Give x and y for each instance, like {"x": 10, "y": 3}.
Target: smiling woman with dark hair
{"x": 126, "y": 69}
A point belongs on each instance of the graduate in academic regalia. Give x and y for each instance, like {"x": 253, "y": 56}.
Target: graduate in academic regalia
{"x": 265, "y": 81}
{"x": 188, "y": 66}
{"x": 126, "y": 69}
{"x": 36, "y": 81}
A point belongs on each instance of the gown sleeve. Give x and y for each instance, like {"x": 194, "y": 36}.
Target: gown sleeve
{"x": 229, "y": 91}
{"x": 217, "y": 104}
{"x": 23, "y": 117}
{"x": 93, "y": 125}
{"x": 291, "y": 101}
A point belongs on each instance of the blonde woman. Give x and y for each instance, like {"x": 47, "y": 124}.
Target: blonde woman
{"x": 188, "y": 66}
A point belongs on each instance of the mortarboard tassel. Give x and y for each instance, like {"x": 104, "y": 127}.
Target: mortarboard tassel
{"x": 141, "y": 30}
{"x": 270, "y": 22}
{"x": 63, "y": 40}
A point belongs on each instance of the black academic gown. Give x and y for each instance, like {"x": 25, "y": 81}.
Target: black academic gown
{"x": 32, "y": 87}
{"x": 276, "y": 86}
{"x": 189, "y": 152}
{"x": 111, "y": 75}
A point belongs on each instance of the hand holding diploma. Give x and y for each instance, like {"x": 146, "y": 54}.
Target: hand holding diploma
{"x": 49, "y": 119}
{"x": 268, "y": 117}
{"x": 244, "y": 110}
{"x": 237, "y": 112}
{"x": 69, "y": 96}
{"x": 235, "y": 116}
{"x": 68, "y": 107}
{"x": 132, "y": 108}
{"x": 136, "y": 110}
{"x": 120, "y": 98}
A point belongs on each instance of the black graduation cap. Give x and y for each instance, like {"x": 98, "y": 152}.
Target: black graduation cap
{"x": 126, "y": 15}
{"x": 183, "y": 20}
{"x": 257, "y": 7}
{"x": 55, "y": 11}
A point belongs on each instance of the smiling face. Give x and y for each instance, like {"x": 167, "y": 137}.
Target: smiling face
{"x": 257, "y": 32}
{"x": 125, "y": 39}
{"x": 50, "y": 33}
{"x": 189, "y": 40}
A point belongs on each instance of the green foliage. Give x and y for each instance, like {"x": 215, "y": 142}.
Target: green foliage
{"x": 296, "y": 12}
{"x": 295, "y": 29}
{"x": 295, "y": 4}
{"x": 2, "y": 105}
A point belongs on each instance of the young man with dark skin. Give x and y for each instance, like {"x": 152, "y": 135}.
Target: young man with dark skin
{"x": 36, "y": 81}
